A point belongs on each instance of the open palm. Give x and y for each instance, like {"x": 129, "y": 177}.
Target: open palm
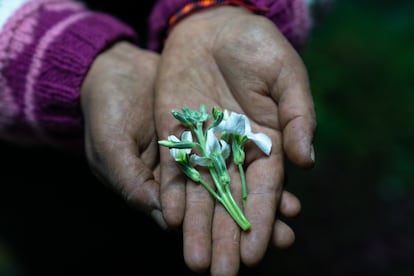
{"x": 230, "y": 58}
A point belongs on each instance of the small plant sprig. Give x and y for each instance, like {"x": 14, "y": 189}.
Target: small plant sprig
{"x": 212, "y": 144}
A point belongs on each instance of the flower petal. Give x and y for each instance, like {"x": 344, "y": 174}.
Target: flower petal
{"x": 173, "y": 138}
{"x": 179, "y": 154}
{"x": 186, "y": 136}
{"x": 174, "y": 152}
{"x": 234, "y": 124}
{"x": 247, "y": 126}
{"x": 225, "y": 149}
{"x": 199, "y": 160}
{"x": 212, "y": 143}
{"x": 262, "y": 141}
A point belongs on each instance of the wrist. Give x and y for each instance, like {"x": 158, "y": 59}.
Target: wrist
{"x": 292, "y": 18}
{"x": 204, "y": 25}
{"x": 122, "y": 56}
{"x": 166, "y": 14}
{"x": 201, "y": 6}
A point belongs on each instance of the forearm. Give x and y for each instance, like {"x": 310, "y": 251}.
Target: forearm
{"x": 47, "y": 47}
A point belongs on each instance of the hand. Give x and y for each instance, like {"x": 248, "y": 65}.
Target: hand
{"x": 116, "y": 100}
{"x": 233, "y": 59}
{"x": 120, "y": 141}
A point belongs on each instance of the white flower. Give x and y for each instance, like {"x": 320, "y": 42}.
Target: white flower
{"x": 180, "y": 154}
{"x": 213, "y": 145}
{"x": 239, "y": 124}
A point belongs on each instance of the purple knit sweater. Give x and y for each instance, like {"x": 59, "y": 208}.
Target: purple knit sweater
{"x": 47, "y": 46}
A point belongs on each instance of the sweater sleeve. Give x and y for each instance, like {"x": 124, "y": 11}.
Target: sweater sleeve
{"x": 46, "y": 48}
{"x": 292, "y": 17}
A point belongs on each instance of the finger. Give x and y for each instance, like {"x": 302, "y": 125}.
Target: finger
{"x": 129, "y": 176}
{"x": 290, "y": 205}
{"x": 197, "y": 227}
{"x": 264, "y": 179}
{"x": 296, "y": 111}
{"x": 172, "y": 191}
{"x": 144, "y": 193}
{"x": 283, "y": 236}
{"x": 171, "y": 177}
{"x": 226, "y": 234}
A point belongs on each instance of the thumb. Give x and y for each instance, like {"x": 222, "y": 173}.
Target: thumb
{"x": 141, "y": 191}
{"x": 296, "y": 112}
{"x": 127, "y": 174}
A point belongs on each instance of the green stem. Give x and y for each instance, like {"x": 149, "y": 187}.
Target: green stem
{"x": 224, "y": 194}
{"x": 208, "y": 187}
{"x": 235, "y": 211}
{"x": 201, "y": 139}
{"x": 229, "y": 203}
{"x": 243, "y": 182}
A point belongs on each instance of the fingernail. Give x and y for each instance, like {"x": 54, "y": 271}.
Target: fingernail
{"x": 312, "y": 153}
{"x": 159, "y": 219}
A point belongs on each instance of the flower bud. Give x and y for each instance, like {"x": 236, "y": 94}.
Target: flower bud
{"x": 238, "y": 153}
{"x": 190, "y": 172}
{"x": 182, "y": 118}
{"x": 177, "y": 145}
{"x": 220, "y": 165}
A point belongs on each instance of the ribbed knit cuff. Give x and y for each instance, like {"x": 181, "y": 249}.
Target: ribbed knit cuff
{"x": 49, "y": 48}
{"x": 290, "y": 16}
{"x": 200, "y": 5}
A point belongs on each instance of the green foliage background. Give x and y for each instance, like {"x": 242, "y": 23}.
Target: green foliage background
{"x": 357, "y": 203}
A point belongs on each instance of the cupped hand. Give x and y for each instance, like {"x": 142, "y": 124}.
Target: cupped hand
{"x": 120, "y": 142}
{"x": 233, "y": 59}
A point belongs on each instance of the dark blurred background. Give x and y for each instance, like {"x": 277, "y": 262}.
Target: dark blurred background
{"x": 358, "y": 207}
{"x": 357, "y": 203}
